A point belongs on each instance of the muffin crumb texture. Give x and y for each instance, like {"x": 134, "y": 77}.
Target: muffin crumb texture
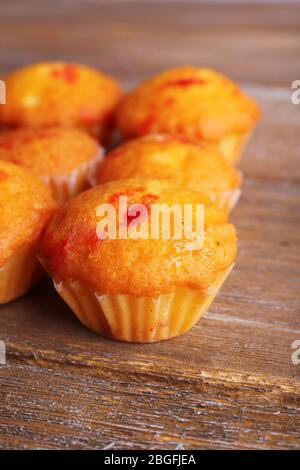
{"x": 72, "y": 251}
{"x": 199, "y": 167}
{"x": 57, "y": 93}
{"x": 25, "y": 207}
{"x": 189, "y": 101}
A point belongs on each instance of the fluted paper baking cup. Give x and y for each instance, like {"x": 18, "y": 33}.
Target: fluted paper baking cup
{"x": 232, "y": 146}
{"x": 139, "y": 319}
{"x": 19, "y": 273}
{"x": 63, "y": 187}
{"x": 227, "y": 200}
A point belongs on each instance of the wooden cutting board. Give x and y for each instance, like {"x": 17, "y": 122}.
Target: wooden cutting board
{"x": 230, "y": 382}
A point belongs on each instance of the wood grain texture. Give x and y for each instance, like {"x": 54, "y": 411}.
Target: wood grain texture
{"x": 230, "y": 382}
{"x": 131, "y": 39}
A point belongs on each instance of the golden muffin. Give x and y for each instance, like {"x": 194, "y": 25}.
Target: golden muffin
{"x": 64, "y": 158}
{"x": 197, "y": 104}
{"x": 138, "y": 282}
{"x": 198, "y": 167}
{"x": 60, "y": 94}
{"x": 25, "y": 207}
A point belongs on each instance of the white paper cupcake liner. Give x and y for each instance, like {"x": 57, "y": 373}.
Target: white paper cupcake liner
{"x": 232, "y": 146}
{"x": 227, "y": 200}
{"x": 63, "y": 187}
{"x": 19, "y": 273}
{"x": 139, "y": 319}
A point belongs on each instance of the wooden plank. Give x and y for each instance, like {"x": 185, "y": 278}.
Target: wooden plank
{"x": 53, "y": 409}
{"x": 252, "y": 43}
{"x": 229, "y": 383}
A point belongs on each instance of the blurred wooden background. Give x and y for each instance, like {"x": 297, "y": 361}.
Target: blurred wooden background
{"x": 230, "y": 382}
{"x": 254, "y": 42}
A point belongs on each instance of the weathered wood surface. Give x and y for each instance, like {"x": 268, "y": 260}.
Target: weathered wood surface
{"x": 230, "y": 382}
{"x": 254, "y": 43}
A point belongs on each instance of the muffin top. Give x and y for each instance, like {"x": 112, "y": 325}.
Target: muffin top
{"x": 198, "y": 167}
{"x": 48, "y": 152}
{"x": 25, "y": 206}
{"x": 73, "y": 247}
{"x": 198, "y": 103}
{"x": 58, "y": 93}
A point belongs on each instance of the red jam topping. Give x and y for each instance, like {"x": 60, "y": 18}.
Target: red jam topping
{"x": 3, "y": 176}
{"x": 6, "y": 143}
{"x": 46, "y": 133}
{"x": 56, "y": 250}
{"x": 184, "y": 82}
{"x": 114, "y": 198}
{"x": 145, "y": 126}
{"x": 146, "y": 201}
{"x": 68, "y": 73}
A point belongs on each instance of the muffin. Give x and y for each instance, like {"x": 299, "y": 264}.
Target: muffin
{"x": 25, "y": 207}
{"x": 64, "y": 158}
{"x": 60, "y": 94}
{"x": 197, "y": 104}
{"x": 198, "y": 167}
{"x": 137, "y": 288}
